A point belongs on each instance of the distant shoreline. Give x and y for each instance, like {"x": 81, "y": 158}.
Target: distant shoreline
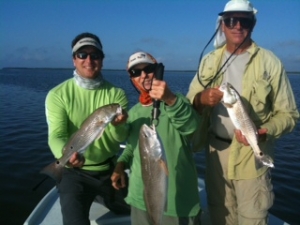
{"x": 45, "y": 68}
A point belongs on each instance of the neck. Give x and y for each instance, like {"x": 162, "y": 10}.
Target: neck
{"x": 232, "y": 47}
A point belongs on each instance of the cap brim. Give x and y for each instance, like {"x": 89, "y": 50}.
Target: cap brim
{"x": 234, "y": 11}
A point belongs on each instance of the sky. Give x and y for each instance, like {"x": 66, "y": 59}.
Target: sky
{"x": 38, "y": 34}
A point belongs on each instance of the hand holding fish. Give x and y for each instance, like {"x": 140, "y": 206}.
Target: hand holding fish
{"x": 119, "y": 119}
{"x": 211, "y": 96}
{"x": 76, "y": 160}
{"x": 208, "y": 97}
{"x": 262, "y": 133}
{"x": 161, "y": 91}
{"x": 118, "y": 176}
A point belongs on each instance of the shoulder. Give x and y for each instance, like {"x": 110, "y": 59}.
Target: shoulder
{"x": 213, "y": 54}
{"x": 62, "y": 88}
{"x": 112, "y": 87}
{"x": 268, "y": 55}
{"x": 265, "y": 56}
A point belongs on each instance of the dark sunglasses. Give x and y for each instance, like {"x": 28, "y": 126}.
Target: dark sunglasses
{"x": 84, "y": 55}
{"x": 245, "y": 23}
{"x": 137, "y": 72}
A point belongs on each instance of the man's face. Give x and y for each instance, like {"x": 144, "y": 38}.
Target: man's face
{"x": 236, "y": 27}
{"x": 88, "y": 62}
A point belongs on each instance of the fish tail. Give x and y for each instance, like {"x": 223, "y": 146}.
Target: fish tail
{"x": 264, "y": 160}
{"x": 267, "y": 161}
{"x": 53, "y": 170}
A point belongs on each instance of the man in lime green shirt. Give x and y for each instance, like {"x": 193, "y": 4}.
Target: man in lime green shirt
{"x": 67, "y": 106}
{"x": 238, "y": 192}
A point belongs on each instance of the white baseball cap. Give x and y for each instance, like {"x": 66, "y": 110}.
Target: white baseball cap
{"x": 140, "y": 57}
{"x": 238, "y": 6}
{"x": 87, "y": 41}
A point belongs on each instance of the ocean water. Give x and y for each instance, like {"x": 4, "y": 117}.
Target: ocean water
{"x": 24, "y": 150}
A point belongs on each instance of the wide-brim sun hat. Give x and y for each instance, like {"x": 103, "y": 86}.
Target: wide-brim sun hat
{"x": 238, "y": 6}
{"x": 140, "y": 57}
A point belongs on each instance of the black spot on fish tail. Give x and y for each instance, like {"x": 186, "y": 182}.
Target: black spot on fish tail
{"x": 53, "y": 170}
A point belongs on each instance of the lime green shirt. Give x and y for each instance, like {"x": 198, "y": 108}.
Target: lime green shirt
{"x": 269, "y": 101}
{"x": 176, "y": 125}
{"x": 68, "y": 105}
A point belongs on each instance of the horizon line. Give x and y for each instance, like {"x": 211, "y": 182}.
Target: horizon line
{"x": 64, "y": 68}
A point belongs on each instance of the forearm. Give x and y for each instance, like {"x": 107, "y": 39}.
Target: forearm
{"x": 183, "y": 116}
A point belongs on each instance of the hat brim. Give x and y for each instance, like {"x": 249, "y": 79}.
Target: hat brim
{"x": 234, "y": 11}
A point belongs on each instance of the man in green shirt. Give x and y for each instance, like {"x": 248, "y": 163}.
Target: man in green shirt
{"x": 67, "y": 106}
{"x": 177, "y": 123}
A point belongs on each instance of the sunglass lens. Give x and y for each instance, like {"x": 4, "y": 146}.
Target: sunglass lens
{"x": 84, "y": 55}
{"x": 149, "y": 69}
{"x": 81, "y": 55}
{"x": 246, "y": 23}
{"x": 94, "y": 56}
{"x": 135, "y": 73}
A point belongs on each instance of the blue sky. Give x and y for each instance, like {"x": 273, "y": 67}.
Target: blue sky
{"x": 37, "y": 33}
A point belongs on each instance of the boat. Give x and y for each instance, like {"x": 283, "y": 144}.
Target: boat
{"x": 47, "y": 211}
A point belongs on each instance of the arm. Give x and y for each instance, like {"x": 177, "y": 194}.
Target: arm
{"x": 284, "y": 109}
{"x": 57, "y": 124}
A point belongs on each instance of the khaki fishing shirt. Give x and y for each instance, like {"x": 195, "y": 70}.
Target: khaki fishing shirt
{"x": 267, "y": 96}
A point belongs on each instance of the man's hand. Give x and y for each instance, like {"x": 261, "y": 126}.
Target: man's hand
{"x": 161, "y": 91}
{"x": 211, "y": 96}
{"x": 120, "y": 118}
{"x": 208, "y": 97}
{"x": 262, "y": 135}
{"x": 118, "y": 176}
{"x": 76, "y": 160}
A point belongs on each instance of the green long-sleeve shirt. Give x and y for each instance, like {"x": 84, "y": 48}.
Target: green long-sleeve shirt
{"x": 176, "y": 125}
{"x": 68, "y": 105}
{"x": 268, "y": 97}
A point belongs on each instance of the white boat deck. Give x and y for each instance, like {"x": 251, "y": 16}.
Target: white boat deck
{"x": 47, "y": 212}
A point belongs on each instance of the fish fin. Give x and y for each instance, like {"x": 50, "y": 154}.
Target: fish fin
{"x": 258, "y": 163}
{"x": 263, "y": 160}
{"x": 100, "y": 135}
{"x": 53, "y": 170}
{"x": 163, "y": 165}
{"x": 101, "y": 124}
{"x": 227, "y": 105}
{"x": 267, "y": 161}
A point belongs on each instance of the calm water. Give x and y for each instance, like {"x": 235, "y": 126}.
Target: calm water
{"x": 24, "y": 150}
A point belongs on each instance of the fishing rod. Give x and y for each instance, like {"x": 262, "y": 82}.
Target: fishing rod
{"x": 159, "y": 73}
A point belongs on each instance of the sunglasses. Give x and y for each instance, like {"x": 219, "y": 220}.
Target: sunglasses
{"x": 245, "y": 23}
{"x": 84, "y": 55}
{"x": 137, "y": 72}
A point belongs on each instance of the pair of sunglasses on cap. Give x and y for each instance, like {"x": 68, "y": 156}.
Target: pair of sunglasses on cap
{"x": 137, "y": 72}
{"x": 246, "y": 23}
{"x": 84, "y": 55}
